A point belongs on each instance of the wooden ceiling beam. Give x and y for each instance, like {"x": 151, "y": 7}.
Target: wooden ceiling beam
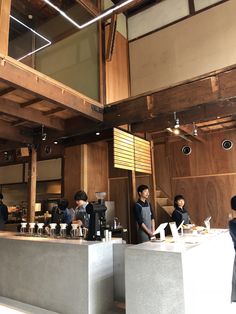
{"x": 8, "y": 132}
{"x": 7, "y": 90}
{"x": 14, "y": 109}
{"x": 89, "y": 6}
{"x": 189, "y": 128}
{"x": 23, "y": 77}
{"x": 53, "y": 111}
{"x": 201, "y": 113}
{"x": 30, "y": 102}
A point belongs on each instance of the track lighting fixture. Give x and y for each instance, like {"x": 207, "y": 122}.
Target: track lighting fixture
{"x": 176, "y": 126}
{"x": 195, "y": 133}
{"x": 44, "y": 134}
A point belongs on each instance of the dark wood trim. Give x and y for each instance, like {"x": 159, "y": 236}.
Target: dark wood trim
{"x": 111, "y": 38}
{"x": 191, "y": 7}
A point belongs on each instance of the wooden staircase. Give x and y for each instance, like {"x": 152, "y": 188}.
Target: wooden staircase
{"x": 164, "y": 202}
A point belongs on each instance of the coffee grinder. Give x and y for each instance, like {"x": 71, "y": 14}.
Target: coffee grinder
{"x": 97, "y": 220}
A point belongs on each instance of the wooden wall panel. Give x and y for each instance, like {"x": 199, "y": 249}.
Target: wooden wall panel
{"x": 97, "y": 172}
{"x": 206, "y": 177}
{"x": 162, "y": 169}
{"x": 207, "y": 196}
{"x": 72, "y": 172}
{"x": 117, "y": 70}
{"x": 119, "y": 194}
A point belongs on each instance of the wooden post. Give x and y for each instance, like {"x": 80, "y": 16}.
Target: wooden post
{"x": 132, "y": 228}
{"x": 32, "y": 176}
{"x": 5, "y": 9}
{"x": 84, "y": 167}
{"x": 153, "y": 179}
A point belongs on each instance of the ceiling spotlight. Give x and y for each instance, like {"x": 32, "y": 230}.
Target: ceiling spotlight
{"x": 97, "y": 133}
{"x": 176, "y": 126}
{"x": 55, "y": 142}
{"x": 195, "y": 133}
{"x": 44, "y": 134}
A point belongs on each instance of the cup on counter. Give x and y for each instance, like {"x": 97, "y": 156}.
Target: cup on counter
{"x": 23, "y": 227}
{"x": 52, "y": 231}
{"x": 40, "y": 228}
{"x": 74, "y": 231}
{"x": 63, "y": 230}
{"x": 31, "y": 228}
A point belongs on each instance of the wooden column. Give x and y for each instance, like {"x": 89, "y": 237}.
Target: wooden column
{"x": 84, "y": 167}
{"x": 32, "y": 176}
{"x": 132, "y": 228}
{"x": 5, "y": 9}
{"x": 154, "y": 205}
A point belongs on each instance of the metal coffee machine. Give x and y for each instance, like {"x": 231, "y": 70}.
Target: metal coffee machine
{"x": 97, "y": 220}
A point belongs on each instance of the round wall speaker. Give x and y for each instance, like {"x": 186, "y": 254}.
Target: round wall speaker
{"x": 227, "y": 144}
{"x": 186, "y": 150}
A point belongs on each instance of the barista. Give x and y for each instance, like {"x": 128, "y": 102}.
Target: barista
{"x": 61, "y": 213}
{"x": 81, "y": 217}
{"x": 180, "y": 213}
{"x": 144, "y": 215}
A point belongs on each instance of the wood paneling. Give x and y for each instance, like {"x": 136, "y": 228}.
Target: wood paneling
{"x": 207, "y": 196}
{"x": 206, "y": 177}
{"x": 72, "y": 171}
{"x": 117, "y": 70}
{"x": 5, "y": 8}
{"x": 97, "y": 171}
{"x": 119, "y": 194}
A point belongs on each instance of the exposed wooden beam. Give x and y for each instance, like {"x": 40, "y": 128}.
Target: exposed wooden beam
{"x": 14, "y": 109}
{"x": 23, "y": 77}
{"x": 201, "y": 113}
{"x": 8, "y": 132}
{"x": 5, "y": 9}
{"x": 89, "y": 6}
{"x": 188, "y": 129}
{"x": 52, "y": 111}
{"x": 30, "y": 102}
{"x": 19, "y": 122}
{"x": 7, "y": 90}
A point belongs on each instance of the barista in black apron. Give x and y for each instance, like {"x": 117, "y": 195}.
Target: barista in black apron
{"x": 144, "y": 215}
{"x": 180, "y": 213}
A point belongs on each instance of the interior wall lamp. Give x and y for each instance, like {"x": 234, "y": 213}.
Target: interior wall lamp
{"x": 99, "y": 17}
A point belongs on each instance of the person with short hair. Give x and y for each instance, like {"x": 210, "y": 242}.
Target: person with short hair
{"x": 81, "y": 217}
{"x": 180, "y": 213}
{"x": 61, "y": 213}
{"x": 232, "y": 231}
{"x": 144, "y": 215}
{"x": 3, "y": 213}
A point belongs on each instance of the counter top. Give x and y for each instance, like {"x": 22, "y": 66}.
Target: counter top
{"x": 184, "y": 243}
{"x": 82, "y": 242}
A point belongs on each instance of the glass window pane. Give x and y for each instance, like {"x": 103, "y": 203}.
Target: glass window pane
{"x": 45, "y": 40}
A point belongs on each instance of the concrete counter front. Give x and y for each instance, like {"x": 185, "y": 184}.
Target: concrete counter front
{"x": 190, "y": 276}
{"x": 65, "y": 276}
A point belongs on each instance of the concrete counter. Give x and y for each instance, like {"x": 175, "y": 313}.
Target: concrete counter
{"x": 65, "y": 276}
{"x": 190, "y": 276}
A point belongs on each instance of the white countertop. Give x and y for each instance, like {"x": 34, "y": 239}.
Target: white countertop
{"x": 184, "y": 243}
{"x": 18, "y": 236}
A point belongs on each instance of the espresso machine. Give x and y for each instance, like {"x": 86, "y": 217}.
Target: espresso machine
{"x": 97, "y": 220}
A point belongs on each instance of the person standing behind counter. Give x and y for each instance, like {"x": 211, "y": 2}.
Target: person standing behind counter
{"x": 180, "y": 213}
{"x": 3, "y": 213}
{"x": 144, "y": 215}
{"x": 232, "y": 231}
{"x": 81, "y": 217}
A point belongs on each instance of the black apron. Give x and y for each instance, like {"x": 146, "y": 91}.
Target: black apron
{"x": 146, "y": 216}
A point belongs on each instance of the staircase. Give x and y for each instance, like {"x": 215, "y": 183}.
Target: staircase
{"x": 164, "y": 202}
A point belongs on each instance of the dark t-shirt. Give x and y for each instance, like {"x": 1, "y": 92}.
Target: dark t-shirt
{"x": 3, "y": 212}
